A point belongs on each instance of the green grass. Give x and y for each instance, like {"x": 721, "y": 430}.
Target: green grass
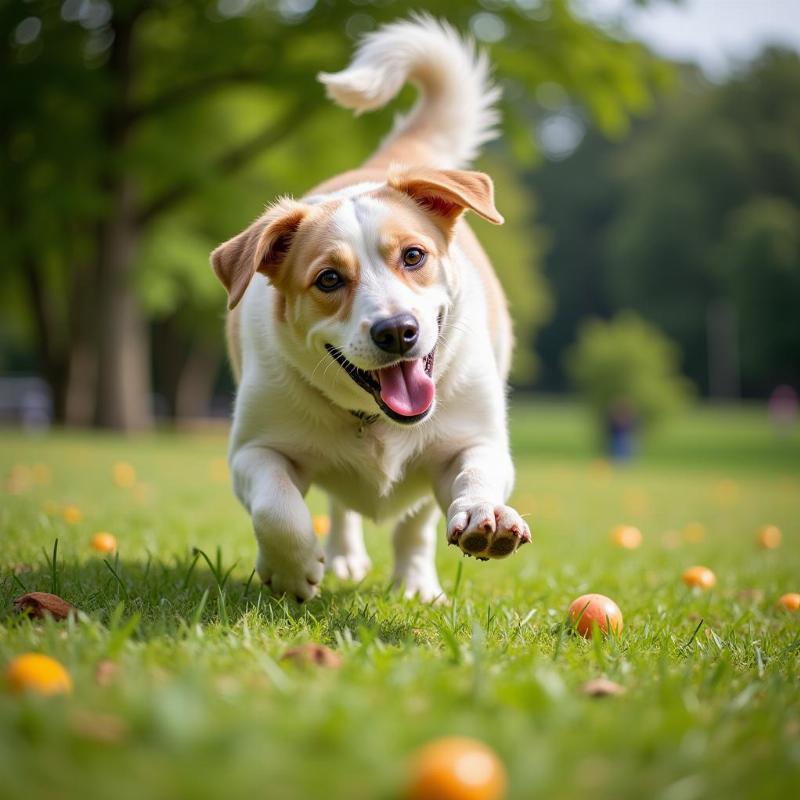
{"x": 202, "y": 706}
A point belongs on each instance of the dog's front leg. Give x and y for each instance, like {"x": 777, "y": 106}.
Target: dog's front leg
{"x": 290, "y": 560}
{"x": 474, "y": 487}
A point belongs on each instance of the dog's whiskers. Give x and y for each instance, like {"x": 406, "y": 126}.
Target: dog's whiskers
{"x": 316, "y": 367}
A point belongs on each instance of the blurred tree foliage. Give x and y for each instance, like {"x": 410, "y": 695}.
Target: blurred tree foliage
{"x": 694, "y": 213}
{"x": 709, "y": 220}
{"x": 625, "y": 366}
{"x": 139, "y": 133}
{"x": 578, "y": 199}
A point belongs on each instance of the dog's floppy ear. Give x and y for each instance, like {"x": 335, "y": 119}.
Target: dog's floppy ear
{"x": 260, "y": 248}
{"x": 447, "y": 193}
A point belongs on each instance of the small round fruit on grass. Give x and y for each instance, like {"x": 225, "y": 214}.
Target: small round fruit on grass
{"x": 103, "y": 542}
{"x": 37, "y": 673}
{"x": 626, "y": 536}
{"x": 769, "y": 537}
{"x": 591, "y": 609}
{"x": 322, "y": 524}
{"x": 457, "y": 768}
{"x": 699, "y": 578}
{"x": 72, "y": 515}
{"x": 790, "y": 601}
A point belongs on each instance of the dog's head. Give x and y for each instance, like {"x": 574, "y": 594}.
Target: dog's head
{"x": 363, "y": 280}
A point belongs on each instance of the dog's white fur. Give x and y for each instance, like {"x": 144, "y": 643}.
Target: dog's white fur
{"x": 293, "y": 422}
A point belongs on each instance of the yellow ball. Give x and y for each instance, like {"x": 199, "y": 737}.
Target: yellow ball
{"x": 37, "y": 673}
{"x": 699, "y": 578}
{"x": 769, "y": 537}
{"x": 72, "y": 515}
{"x": 694, "y": 532}
{"x": 103, "y": 542}
{"x": 124, "y": 474}
{"x": 322, "y": 524}
{"x": 626, "y": 536}
{"x": 457, "y": 768}
{"x": 790, "y": 601}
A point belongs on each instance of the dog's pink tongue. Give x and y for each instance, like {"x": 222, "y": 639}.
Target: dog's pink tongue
{"x": 406, "y": 388}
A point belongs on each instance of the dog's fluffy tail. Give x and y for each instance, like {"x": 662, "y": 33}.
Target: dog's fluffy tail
{"x": 455, "y": 113}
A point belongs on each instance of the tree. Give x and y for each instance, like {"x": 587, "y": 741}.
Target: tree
{"x": 761, "y": 261}
{"x": 626, "y": 370}
{"x": 579, "y": 197}
{"x": 132, "y": 122}
{"x": 709, "y": 218}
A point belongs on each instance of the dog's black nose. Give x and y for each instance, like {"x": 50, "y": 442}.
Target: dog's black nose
{"x": 396, "y": 334}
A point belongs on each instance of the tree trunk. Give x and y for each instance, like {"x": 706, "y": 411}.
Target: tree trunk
{"x": 169, "y": 357}
{"x": 123, "y": 369}
{"x": 196, "y": 385}
{"x": 724, "y": 380}
{"x": 81, "y": 388}
{"x": 52, "y": 360}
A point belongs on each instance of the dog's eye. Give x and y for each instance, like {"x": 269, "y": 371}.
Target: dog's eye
{"x": 329, "y": 280}
{"x": 413, "y": 257}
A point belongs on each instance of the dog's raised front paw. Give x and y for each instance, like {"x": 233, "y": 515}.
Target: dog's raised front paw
{"x": 486, "y": 531}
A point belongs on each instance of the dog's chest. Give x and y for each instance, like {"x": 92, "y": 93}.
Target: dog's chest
{"x": 376, "y": 475}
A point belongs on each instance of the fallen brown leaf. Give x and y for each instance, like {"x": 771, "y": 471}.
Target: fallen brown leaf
{"x": 602, "y": 687}
{"x": 105, "y": 672}
{"x": 756, "y": 595}
{"x": 41, "y": 604}
{"x": 311, "y": 653}
{"x": 104, "y": 728}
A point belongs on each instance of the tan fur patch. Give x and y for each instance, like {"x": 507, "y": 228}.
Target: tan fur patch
{"x": 315, "y": 249}
{"x": 408, "y": 226}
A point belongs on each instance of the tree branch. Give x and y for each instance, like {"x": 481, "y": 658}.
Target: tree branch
{"x": 192, "y": 90}
{"x": 228, "y": 162}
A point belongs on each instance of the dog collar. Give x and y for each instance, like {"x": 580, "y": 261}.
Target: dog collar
{"x": 364, "y": 419}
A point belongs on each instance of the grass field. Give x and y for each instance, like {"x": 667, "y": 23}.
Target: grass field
{"x": 201, "y": 706}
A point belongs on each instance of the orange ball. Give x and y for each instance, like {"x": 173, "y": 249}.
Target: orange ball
{"x": 37, "y": 673}
{"x": 699, "y": 578}
{"x": 626, "y": 536}
{"x": 694, "y": 532}
{"x": 72, "y": 515}
{"x": 790, "y": 601}
{"x": 322, "y": 524}
{"x": 769, "y": 537}
{"x": 103, "y": 542}
{"x": 595, "y": 608}
{"x": 123, "y": 474}
{"x": 457, "y": 768}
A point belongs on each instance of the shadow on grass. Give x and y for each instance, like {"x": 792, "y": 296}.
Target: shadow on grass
{"x": 195, "y": 590}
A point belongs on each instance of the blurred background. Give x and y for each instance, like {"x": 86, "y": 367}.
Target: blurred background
{"x": 649, "y": 173}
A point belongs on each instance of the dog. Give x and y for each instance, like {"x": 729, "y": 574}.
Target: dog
{"x": 370, "y": 337}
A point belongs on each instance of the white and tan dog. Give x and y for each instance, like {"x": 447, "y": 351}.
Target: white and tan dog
{"x": 371, "y": 338}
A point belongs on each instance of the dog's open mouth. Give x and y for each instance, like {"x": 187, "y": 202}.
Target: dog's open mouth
{"x": 404, "y": 391}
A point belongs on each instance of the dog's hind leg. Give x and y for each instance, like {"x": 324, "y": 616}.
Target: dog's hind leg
{"x": 415, "y": 554}
{"x": 346, "y": 555}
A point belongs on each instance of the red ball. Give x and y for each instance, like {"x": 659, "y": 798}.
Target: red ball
{"x": 595, "y": 608}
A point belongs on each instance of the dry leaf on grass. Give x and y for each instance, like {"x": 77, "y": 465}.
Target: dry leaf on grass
{"x": 602, "y": 687}
{"x": 311, "y": 653}
{"x": 105, "y": 672}
{"x": 41, "y": 604}
{"x": 105, "y": 728}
